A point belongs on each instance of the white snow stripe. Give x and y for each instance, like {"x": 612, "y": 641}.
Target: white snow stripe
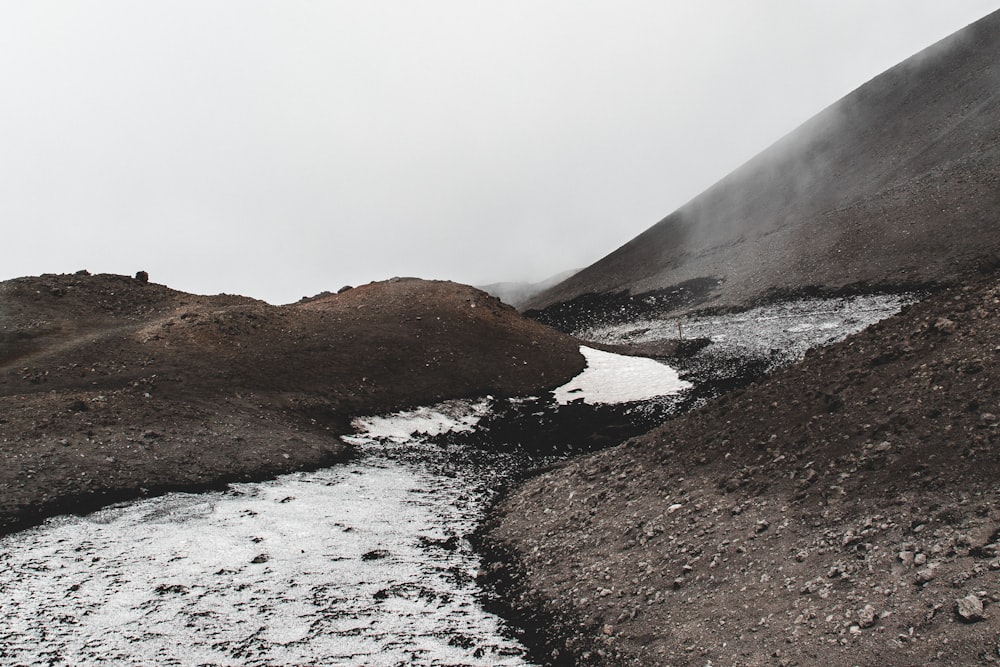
{"x": 615, "y": 378}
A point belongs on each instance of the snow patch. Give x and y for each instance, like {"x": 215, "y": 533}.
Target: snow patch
{"x": 615, "y": 378}
{"x": 400, "y": 427}
{"x": 266, "y": 574}
{"x": 790, "y": 328}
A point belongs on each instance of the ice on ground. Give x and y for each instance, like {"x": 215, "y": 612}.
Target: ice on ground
{"x": 444, "y": 417}
{"x": 616, "y": 378}
{"x": 276, "y": 573}
{"x": 790, "y": 328}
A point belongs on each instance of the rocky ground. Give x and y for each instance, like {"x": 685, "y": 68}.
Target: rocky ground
{"x": 113, "y": 387}
{"x": 843, "y": 511}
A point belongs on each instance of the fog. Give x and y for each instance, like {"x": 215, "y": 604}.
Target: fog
{"x": 278, "y": 149}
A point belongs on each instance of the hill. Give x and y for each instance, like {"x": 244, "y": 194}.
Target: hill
{"x": 898, "y": 183}
{"x": 113, "y": 387}
{"x": 843, "y": 511}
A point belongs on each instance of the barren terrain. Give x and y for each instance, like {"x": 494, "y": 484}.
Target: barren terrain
{"x": 112, "y": 387}
{"x": 843, "y": 511}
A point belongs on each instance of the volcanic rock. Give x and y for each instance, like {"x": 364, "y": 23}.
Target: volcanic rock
{"x": 969, "y": 609}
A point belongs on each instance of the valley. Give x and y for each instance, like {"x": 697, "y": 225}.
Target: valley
{"x": 762, "y": 432}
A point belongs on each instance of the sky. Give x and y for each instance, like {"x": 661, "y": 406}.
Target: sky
{"x": 277, "y": 149}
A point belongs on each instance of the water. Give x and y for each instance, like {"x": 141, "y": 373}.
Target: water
{"x": 361, "y": 564}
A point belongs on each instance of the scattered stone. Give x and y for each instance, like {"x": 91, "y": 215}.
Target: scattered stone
{"x": 375, "y": 554}
{"x": 260, "y": 558}
{"x": 142, "y": 276}
{"x": 944, "y": 325}
{"x": 867, "y": 616}
{"x": 166, "y": 589}
{"x": 969, "y": 609}
{"x": 811, "y": 586}
{"x": 986, "y": 551}
{"x": 449, "y": 544}
{"x": 926, "y": 574}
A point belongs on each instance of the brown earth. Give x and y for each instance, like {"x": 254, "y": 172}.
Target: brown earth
{"x": 846, "y": 510}
{"x": 111, "y": 387}
{"x": 835, "y": 513}
{"x": 898, "y": 183}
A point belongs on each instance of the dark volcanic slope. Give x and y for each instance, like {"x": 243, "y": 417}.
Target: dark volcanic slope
{"x": 899, "y": 182}
{"x": 111, "y": 387}
{"x": 832, "y": 514}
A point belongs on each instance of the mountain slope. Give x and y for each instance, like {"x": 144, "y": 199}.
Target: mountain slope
{"x": 834, "y": 513}
{"x": 518, "y": 293}
{"x": 896, "y": 183}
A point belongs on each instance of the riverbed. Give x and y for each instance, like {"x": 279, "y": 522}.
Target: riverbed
{"x": 361, "y": 564}
{"x": 365, "y": 563}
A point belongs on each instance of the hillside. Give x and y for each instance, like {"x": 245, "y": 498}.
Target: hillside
{"x": 113, "y": 387}
{"x": 897, "y": 183}
{"x": 519, "y": 293}
{"x": 843, "y": 510}
{"x": 835, "y": 513}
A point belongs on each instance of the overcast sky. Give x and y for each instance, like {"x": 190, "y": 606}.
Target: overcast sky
{"x": 278, "y": 149}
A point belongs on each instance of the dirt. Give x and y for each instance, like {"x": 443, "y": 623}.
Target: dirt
{"x": 112, "y": 387}
{"x": 843, "y": 511}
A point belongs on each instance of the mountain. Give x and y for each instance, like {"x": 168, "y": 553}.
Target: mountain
{"x": 895, "y": 184}
{"x": 518, "y": 293}
{"x": 113, "y": 387}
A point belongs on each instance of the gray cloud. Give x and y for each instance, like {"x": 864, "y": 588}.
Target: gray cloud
{"x": 277, "y": 149}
